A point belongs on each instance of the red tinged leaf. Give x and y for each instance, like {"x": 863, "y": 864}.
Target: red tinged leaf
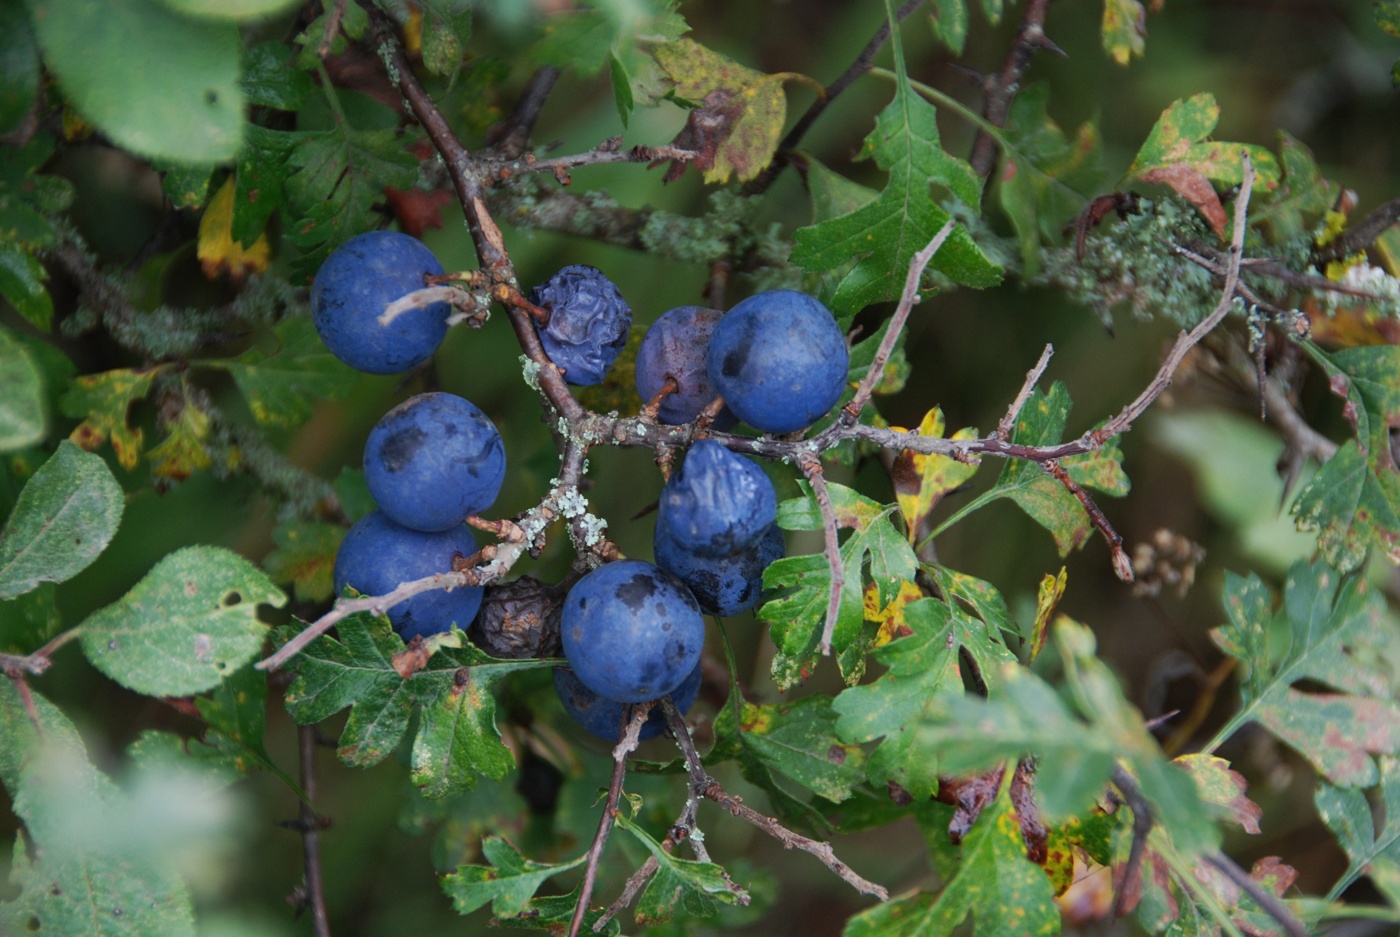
{"x": 1195, "y": 188}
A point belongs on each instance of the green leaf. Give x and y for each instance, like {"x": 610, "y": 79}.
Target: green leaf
{"x": 260, "y": 180}
{"x": 1347, "y": 813}
{"x": 457, "y": 737}
{"x": 684, "y": 885}
{"x": 27, "y": 198}
{"x": 236, "y": 715}
{"x": 22, "y": 416}
{"x": 335, "y": 178}
{"x": 232, "y": 10}
{"x": 1077, "y": 737}
{"x": 1387, "y": 13}
{"x": 305, "y": 557}
{"x": 159, "y": 84}
{"x": 1354, "y": 499}
{"x": 19, "y": 67}
{"x": 798, "y": 613}
{"x": 921, "y": 667}
{"x": 283, "y": 382}
{"x": 1332, "y": 628}
{"x": 1050, "y": 504}
{"x": 29, "y": 620}
{"x": 1045, "y": 176}
{"x": 22, "y": 283}
{"x": 886, "y": 233}
{"x": 1007, "y": 893}
{"x": 83, "y": 879}
{"x": 66, "y": 515}
{"x": 949, "y": 24}
{"x": 185, "y": 184}
{"x": 270, "y": 80}
{"x": 796, "y": 739}
{"x": 833, "y": 195}
{"x": 447, "y": 26}
{"x": 508, "y": 883}
{"x": 1222, "y": 788}
{"x": 191, "y": 622}
{"x": 1124, "y": 29}
{"x": 1302, "y": 197}
{"x": 553, "y": 913}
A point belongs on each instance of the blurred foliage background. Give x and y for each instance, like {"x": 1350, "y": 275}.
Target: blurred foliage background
{"x": 1202, "y": 465}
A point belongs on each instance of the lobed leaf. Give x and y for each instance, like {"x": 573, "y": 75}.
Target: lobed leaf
{"x": 102, "y": 401}
{"x": 1006, "y": 893}
{"x": 1348, "y": 814}
{"x": 456, "y": 738}
{"x": 1329, "y": 626}
{"x": 66, "y": 515}
{"x": 507, "y": 883}
{"x": 679, "y": 884}
{"x": 188, "y": 624}
{"x": 305, "y": 557}
{"x": 282, "y": 383}
{"x": 1124, "y": 29}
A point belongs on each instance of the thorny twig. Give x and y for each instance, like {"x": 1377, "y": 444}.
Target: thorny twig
{"x": 709, "y": 788}
{"x": 811, "y": 466}
{"x": 1122, "y": 565}
{"x": 863, "y": 63}
{"x": 1013, "y": 412}
{"x": 851, "y": 412}
{"x": 1001, "y": 89}
{"x": 310, "y": 837}
{"x": 633, "y": 718}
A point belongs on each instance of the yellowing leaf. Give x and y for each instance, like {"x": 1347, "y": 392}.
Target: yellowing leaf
{"x": 921, "y": 481}
{"x": 890, "y": 617}
{"x": 102, "y": 401}
{"x": 1052, "y": 589}
{"x": 218, "y": 251}
{"x": 1123, "y": 29}
{"x": 183, "y": 450}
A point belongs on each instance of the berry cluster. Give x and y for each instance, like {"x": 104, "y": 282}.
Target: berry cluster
{"x": 631, "y": 631}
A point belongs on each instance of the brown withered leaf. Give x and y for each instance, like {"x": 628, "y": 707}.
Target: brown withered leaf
{"x": 1195, "y": 188}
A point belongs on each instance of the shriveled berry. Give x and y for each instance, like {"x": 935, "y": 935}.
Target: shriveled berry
{"x": 588, "y": 322}
{"x": 718, "y": 502}
{"x": 519, "y": 619}
{"x": 675, "y": 346}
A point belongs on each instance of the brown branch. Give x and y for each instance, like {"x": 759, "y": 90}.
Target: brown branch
{"x": 811, "y": 466}
{"x": 1013, "y": 412}
{"x": 709, "y": 788}
{"x": 1142, "y": 826}
{"x": 851, "y": 412}
{"x": 486, "y": 234}
{"x": 863, "y": 63}
{"x": 999, "y": 91}
{"x": 310, "y": 836}
{"x": 633, "y": 718}
{"x": 1122, "y": 565}
{"x": 1361, "y": 235}
{"x": 1268, "y": 902}
{"x": 26, "y": 699}
{"x": 510, "y": 137}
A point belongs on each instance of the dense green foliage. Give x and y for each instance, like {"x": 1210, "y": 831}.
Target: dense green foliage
{"x": 944, "y": 715}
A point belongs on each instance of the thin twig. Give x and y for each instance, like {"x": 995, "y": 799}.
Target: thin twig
{"x": 863, "y": 63}
{"x": 1362, "y": 234}
{"x": 310, "y": 836}
{"x": 1142, "y": 826}
{"x": 510, "y": 138}
{"x": 1001, "y": 90}
{"x": 710, "y": 789}
{"x": 1268, "y": 902}
{"x": 811, "y": 466}
{"x": 38, "y": 661}
{"x": 26, "y": 699}
{"x": 851, "y": 412}
{"x": 605, "y": 154}
{"x": 486, "y": 234}
{"x": 633, "y": 718}
{"x": 1122, "y": 565}
{"x": 1013, "y": 412}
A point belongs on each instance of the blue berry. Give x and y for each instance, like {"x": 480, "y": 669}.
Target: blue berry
{"x": 675, "y": 345}
{"x": 377, "y": 554}
{"x": 354, "y": 285}
{"x": 725, "y": 585}
{"x": 603, "y": 717}
{"x": 779, "y": 359}
{"x": 631, "y": 632}
{"x": 433, "y": 460}
{"x": 588, "y": 322}
{"x": 717, "y": 503}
